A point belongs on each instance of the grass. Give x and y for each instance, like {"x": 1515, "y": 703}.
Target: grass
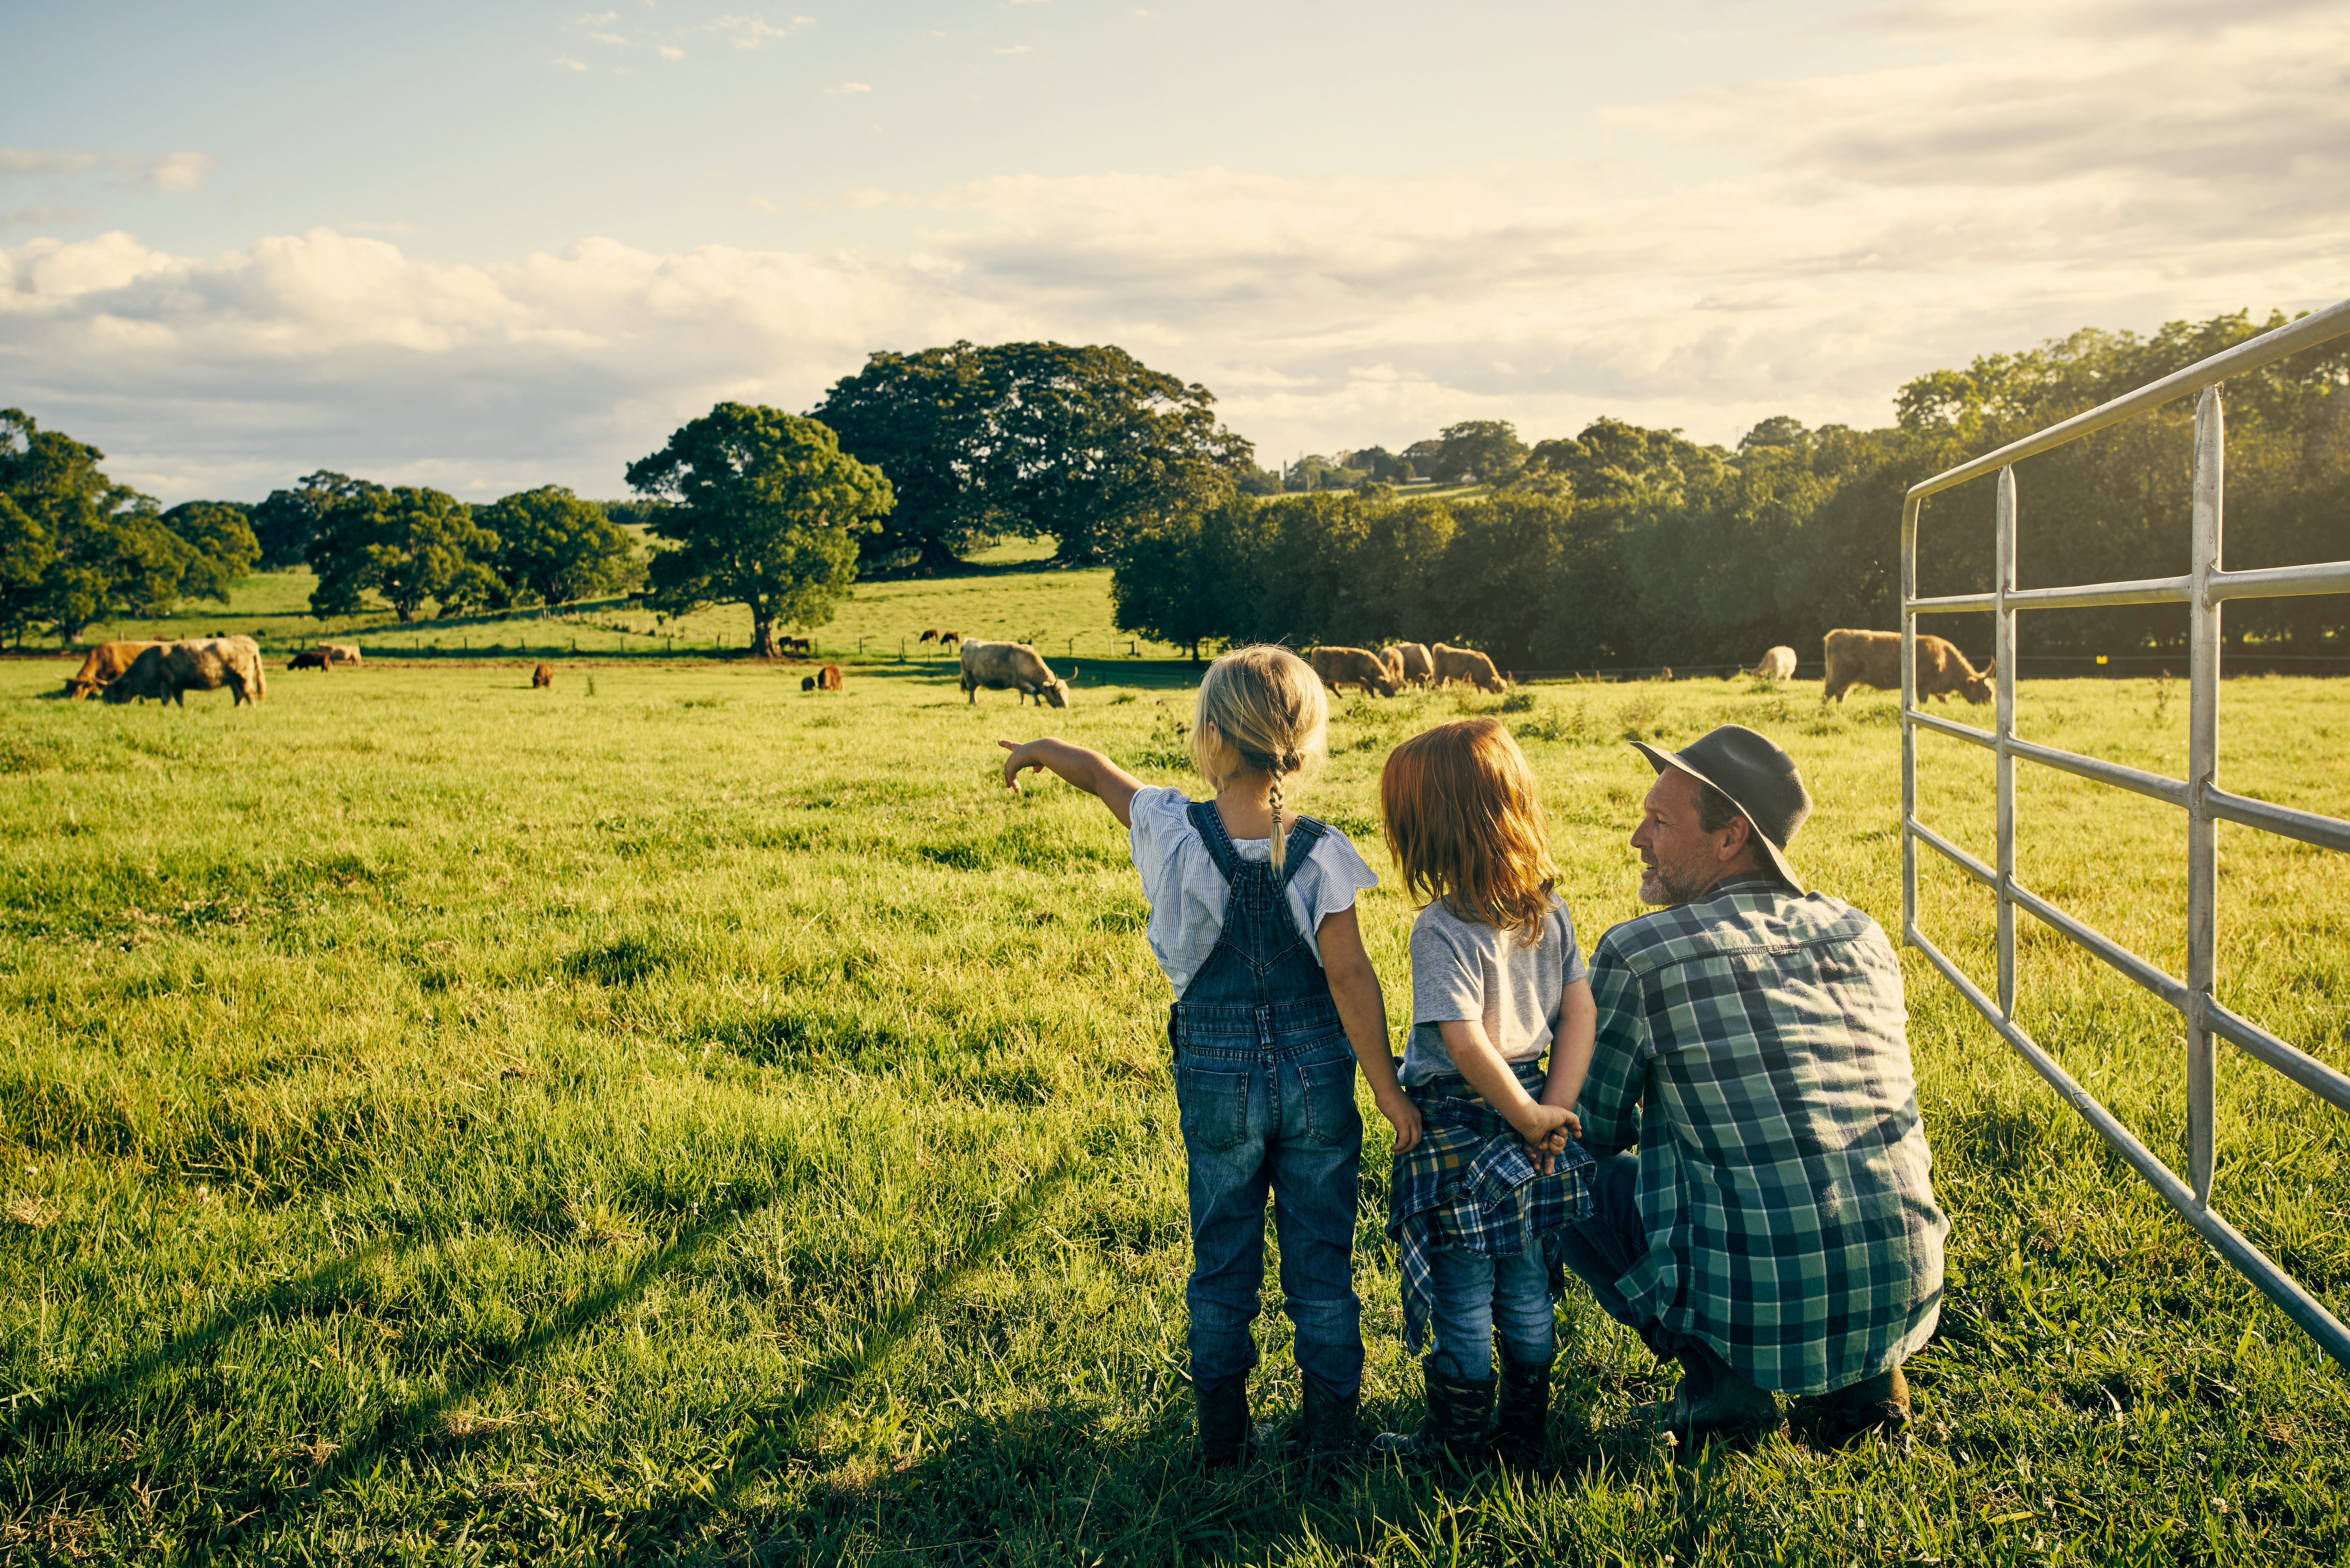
{"x": 681, "y": 1118}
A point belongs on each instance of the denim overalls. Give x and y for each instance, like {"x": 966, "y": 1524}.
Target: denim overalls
{"x": 1265, "y": 1078}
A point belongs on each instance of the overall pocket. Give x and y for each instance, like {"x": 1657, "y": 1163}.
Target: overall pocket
{"x": 1214, "y": 1106}
{"x": 1328, "y": 1090}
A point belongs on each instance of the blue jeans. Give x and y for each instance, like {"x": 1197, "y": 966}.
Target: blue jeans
{"x": 1279, "y": 1119}
{"x": 1603, "y": 1248}
{"x": 1476, "y": 1295}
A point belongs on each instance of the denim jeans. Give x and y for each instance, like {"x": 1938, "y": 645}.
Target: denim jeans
{"x": 1604, "y": 1248}
{"x": 1277, "y": 1118}
{"x": 1476, "y": 1295}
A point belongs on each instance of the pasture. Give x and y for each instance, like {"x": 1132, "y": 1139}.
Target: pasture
{"x": 672, "y": 1117}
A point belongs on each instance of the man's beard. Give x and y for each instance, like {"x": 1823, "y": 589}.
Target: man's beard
{"x": 1659, "y": 885}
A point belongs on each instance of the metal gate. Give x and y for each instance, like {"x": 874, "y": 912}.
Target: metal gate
{"x": 2203, "y": 589}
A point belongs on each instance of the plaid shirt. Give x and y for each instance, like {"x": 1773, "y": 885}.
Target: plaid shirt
{"x": 1470, "y": 1184}
{"x": 1754, "y": 1044}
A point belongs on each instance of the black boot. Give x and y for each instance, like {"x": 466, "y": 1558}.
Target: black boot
{"x": 1455, "y": 1426}
{"x": 1223, "y": 1421}
{"x": 1523, "y": 1412}
{"x": 1328, "y": 1431}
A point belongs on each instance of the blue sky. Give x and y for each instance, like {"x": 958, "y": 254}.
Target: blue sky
{"x": 485, "y": 248}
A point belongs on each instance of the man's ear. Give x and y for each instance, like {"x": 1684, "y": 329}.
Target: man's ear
{"x": 1740, "y": 832}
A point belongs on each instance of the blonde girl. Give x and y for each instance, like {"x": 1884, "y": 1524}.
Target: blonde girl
{"x": 1276, "y": 1006}
{"x": 1497, "y": 983}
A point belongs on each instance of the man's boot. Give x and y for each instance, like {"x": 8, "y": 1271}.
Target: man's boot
{"x": 1223, "y": 1421}
{"x": 1711, "y": 1401}
{"x": 1327, "y": 1429}
{"x": 1455, "y": 1428}
{"x": 1522, "y": 1413}
{"x": 1878, "y": 1403}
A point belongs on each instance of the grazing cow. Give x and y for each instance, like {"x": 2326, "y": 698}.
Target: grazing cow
{"x": 1874, "y": 659}
{"x": 999, "y": 665}
{"x": 340, "y": 652}
{"x": 947, "y": 637}
{"x": 1466, "y": 664}
{"x": 1779, "y": 664}
{"x": 106, "y": 663}
{"x": 314, "y": 660}
{"x": 829, "y": 678}
{"x": 541, "y": 677}
{"x": 932, "y": 635}
{"x": 197, "y": 664}
{"x": 807, "y": 682}
{"x": 1410, "y": 662}
{"x": 1340, "y": 667}
{"x": 794, "y": 645}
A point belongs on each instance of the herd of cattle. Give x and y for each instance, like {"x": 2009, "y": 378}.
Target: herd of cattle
{"x": 132, "y": 672}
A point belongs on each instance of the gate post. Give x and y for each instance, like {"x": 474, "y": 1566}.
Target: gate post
{"x": 2004, "y": 655}
{"x": 2203, "y": 761}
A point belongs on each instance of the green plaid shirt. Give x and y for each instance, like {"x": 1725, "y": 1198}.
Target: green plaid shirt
{"x": 1754, "y": 1044}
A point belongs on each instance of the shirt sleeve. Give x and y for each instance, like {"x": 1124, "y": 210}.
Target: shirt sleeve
{"x": 1572, "y": 967}
{"x": 1448, "y": 982}
{"x": 1333, "y": 873}
{"x": 1610, "y": 1104}
{"x": 1159, "y": 822}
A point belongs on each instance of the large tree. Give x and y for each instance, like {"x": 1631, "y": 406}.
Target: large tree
{"x": 285, "y": 524}
{"x": 554, "y": 547}
{"x": 408, "y": 545}
{"x": 1082, "y": 445}
{"x": 1486, "y": 449}
{"x": 223, "y": 549}
{"x": 766, "y": 511}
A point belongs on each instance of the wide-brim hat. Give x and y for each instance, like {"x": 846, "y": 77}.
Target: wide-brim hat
{"x": 1756, "y": 776}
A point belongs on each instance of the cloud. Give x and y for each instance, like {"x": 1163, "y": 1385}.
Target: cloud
{"x": 1016, "y": 49}
{"x": 366, "y": 228}
{"x": 47, "y": 212}
{"x": 46, "y": 161}
{"x": 568, "y": 63}
{"x": 175, "y": 173}
{"x": 670, "y": 51}
{"x": 1852, "y": 233}
{"x": 854, "y": 86}
{"x": 752, "y": 32}
{"x": 182, "y": 172}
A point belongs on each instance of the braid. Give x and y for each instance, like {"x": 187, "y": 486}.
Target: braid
{"x": 1280, "y": 842}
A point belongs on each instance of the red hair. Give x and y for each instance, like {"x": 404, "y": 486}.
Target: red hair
{"x": 1463, "y": 823}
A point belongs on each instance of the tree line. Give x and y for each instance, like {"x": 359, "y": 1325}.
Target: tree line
{"x": 1625, "y": 546}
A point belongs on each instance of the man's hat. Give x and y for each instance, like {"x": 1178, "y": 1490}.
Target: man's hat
{"x": 1759, "y": 778}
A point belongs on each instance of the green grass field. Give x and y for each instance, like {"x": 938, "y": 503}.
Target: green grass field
{"x": 670, "y": 1116}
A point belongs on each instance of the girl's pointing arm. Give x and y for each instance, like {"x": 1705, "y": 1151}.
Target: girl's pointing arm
{"x": 1089, "y": 770}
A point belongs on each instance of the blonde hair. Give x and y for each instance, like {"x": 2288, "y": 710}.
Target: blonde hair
{"x": 1463, "y": 821}
{"x": 1267, "y": 705}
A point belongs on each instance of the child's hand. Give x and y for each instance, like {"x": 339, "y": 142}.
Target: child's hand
{"x": 1022, "y": 760}
{"x": 1404, "y": 1117}
{"x": 1542, "y": 1127}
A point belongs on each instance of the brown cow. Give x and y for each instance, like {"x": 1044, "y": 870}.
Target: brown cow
{"x": 930, "y": 636}
{"x": 1466, "y": 664}
{"x": 998, "y": 665}
{"x": 1874, "y": 659}
{"x": 340, "y": 652}
{"x": 829, "y": 678}
{"x": 106, "y": 663}
{"x": 314, "y": 660}
{"x": 953, "y": 637}
{"x": 1410, "y": 662}
{"x": 1340, "y": 667}
{"x": 172, "y": 669}
{"x": 541, "y": 677}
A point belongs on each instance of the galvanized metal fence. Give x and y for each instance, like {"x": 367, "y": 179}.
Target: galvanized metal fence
{"x": 2204, "y": 588}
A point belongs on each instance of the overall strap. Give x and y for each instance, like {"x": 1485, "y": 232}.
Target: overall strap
{"x": 1302, "y": 840}
{"x": 1211, "y": 825}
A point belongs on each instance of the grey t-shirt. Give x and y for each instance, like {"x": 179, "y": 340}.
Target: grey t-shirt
{"x": 1466, "y": 968}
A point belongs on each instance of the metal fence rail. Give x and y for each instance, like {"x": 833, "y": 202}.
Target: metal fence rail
{"x": 2203, "y": 589}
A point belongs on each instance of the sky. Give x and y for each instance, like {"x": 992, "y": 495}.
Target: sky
{"x": 489, "y": 247}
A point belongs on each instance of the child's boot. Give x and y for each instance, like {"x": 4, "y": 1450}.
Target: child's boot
{"x": 1223, "y": 1421}
{"x": 1328, "y": 1431}
{"x": 1455, "y": 1425}
{"x": 1522, "y": 1413}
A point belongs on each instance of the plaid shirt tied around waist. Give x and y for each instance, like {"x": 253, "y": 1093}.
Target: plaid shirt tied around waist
{"x": 1754, "y": 1045}
{"x": 1470, "y": 1184}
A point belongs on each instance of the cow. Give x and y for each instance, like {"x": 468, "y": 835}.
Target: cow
{"x": 932, "y": 635}
{"x": 1340, "y": 667}
{"x": 340, "y": 652}
{"x": 807, "y": 682}
{"x": 829, "y": 679}
{"x": 999, "y": 665}
{"x": 1874, "y": 659}
{"x": 1410, "y": 662}
{"x": 947, "y": 637}
{"x": 542, "y": 677}
{"x": 1779, "y": 664}
{"x": 1466, "y": 664}
{"x": 200, "y": 664}
{"x": 314, "y": 660}
{"x": 105, "y": 662}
